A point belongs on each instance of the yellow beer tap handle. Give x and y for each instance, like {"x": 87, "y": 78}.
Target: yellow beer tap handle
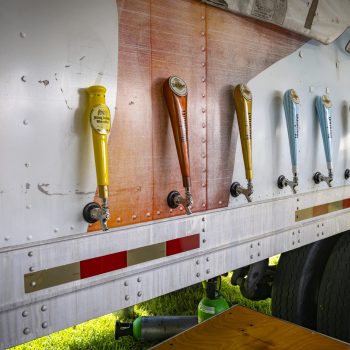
{"x": 242, "y": 98}
{"x": 100, "y": 121}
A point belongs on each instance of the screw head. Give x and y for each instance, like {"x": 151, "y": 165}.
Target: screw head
{"x": 26, "y": 331}
{"x": 25, "y": 313}
{"x": 30, "y": 253}
{"x": 44, "y": 325}
{"x": 32, "y": 269}
{"x": 43, "y": 308}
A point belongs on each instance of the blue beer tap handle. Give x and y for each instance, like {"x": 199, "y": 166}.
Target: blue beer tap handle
{"x": 291, "y": 104}
{"x": 324, "y": 115}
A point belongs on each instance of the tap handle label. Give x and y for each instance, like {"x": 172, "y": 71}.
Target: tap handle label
{"x": 100, "y": 119}
{"x": 291, "y": 105}
{"x": 324, "y": 114}
{"x": 243, "y": 99}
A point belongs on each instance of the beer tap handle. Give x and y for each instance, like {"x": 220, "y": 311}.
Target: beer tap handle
{"x": 175, "y": 94}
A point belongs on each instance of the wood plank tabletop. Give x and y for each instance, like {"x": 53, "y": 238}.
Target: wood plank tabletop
{"x": 240, "y": 328}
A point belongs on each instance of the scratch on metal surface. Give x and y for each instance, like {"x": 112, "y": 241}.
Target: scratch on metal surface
{"x": 45, "y": 82}
{"x": 82, "y": 192}
{"x": 42, "y": 189}
{"x": 65, "y": 99}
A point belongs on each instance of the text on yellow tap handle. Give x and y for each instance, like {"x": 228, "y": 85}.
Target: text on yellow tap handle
{"x": 242, "y": 98}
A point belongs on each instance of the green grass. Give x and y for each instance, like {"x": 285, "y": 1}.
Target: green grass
{"x": 98, "y": 334}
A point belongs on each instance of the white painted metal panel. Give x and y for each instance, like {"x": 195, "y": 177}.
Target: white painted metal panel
{"x": 50, "y": 51}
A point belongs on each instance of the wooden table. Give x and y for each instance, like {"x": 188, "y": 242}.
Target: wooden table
{"x": 240, "y": 328}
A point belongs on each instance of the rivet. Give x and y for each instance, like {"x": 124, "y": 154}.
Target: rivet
{"x": 203, "y": 219}
{"x": 203, "y": 229}
{"x": 328, "y": 90}
{"x": 318, "y": 225}
{"x": 298, "y": 231}
{"x": 202, "y": 34}
{"x": 43, "y": 308}
{"x": 72, "y": 228}
{"x": 158, "y": 212}
{"x": 198, "y": 274}
{"x": 258, "y": 254}
{"x": 27, "y": 165}
{"x": 203, "y": 94}
{"x": 203, "y": 155}
{"x": 29, "y": 237}
{"x": 204, "y": 125}
{"x": 293, "y": 233}
{"x": 31, "y": 269}
{"x": 118, "y": 219}
{"x": 126, "y": 283}
{"x": 203, "y": 110}
{"x": 25, "y": 122}
{"x": 204, "y": 240}
{"x": 170, "y": 211}
{"x": 56, "y": 230}
{"x": 138, "y": 279}
{"x": 181, "y": 207}
{"x": 22, "y": 35}
{"x": 202, "y": 18}
{"x": 7, "y": 238}
{"x": 30, "y": 253}
{"x": 203, "y": 185}
{"x": 25, "y": 313}
{"x": 208, "y": 271}
{"x": 28, "y": 206}
{"x": 258, "y": 244}
{"x": 293, "y": 243}
{"x": 207, "y": 259}
{"x": 204, "y": 170}
{"x": 322, "y": 225}
{"x": 203, "y": 79}
{"x": 251, "y": 256}
{"x": 44, "y": 325}
{"x": 322, "y": 233}
{"x": 203, "y": 205}
{"x": 26, "y": 331}
{"x": 90, "y": 225}
{"x": 220, "y": 202}
{"x": 134, "y": 217}
{"x": 139, "y": 293}
{"x": 148, "y": 214}
{"x": 297, "y": 199}
{"x": 203, "y": 64}
{"x": 24, "y": 78}
{"x": 197, "y": 262}
{"x": 203, "y": 48}
{"x": 298, "y": 240}
{"x": 33, "y": 284}
{"x": 127, "y": 297}
{"x": 300, "y": 54}
{"x": 318, "y": 235}
{"x": 251, "y": 246}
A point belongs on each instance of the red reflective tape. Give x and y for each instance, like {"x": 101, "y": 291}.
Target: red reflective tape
{"x": 346, "y": 203}
{"x": 181, "y": 245}
{"x": 102, "y": 264}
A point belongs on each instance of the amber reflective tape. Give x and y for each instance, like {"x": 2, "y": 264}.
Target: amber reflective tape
{"x": 102, "y": 264}
{"x": 322, "y": 209}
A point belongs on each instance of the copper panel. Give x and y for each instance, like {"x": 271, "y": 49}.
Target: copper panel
{"x": 51, "y": 277}
{"x": 211, "y": 50}
{"x": 143, "y": 254}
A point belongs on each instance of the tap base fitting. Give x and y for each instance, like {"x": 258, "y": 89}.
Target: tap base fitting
{"x": 89, "y": 212}
{"x": 281, "y": 182}
{"x": 172, "y": 199}
{"x": 234, "y": 189}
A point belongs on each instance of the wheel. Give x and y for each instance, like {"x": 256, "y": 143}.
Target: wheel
{"x": 333, "y": 316}
{"x": 297, "y": 280}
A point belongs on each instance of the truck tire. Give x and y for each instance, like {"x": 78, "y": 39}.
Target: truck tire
{"x": 333, "y": 316}
{"x": 297, "y": 280}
